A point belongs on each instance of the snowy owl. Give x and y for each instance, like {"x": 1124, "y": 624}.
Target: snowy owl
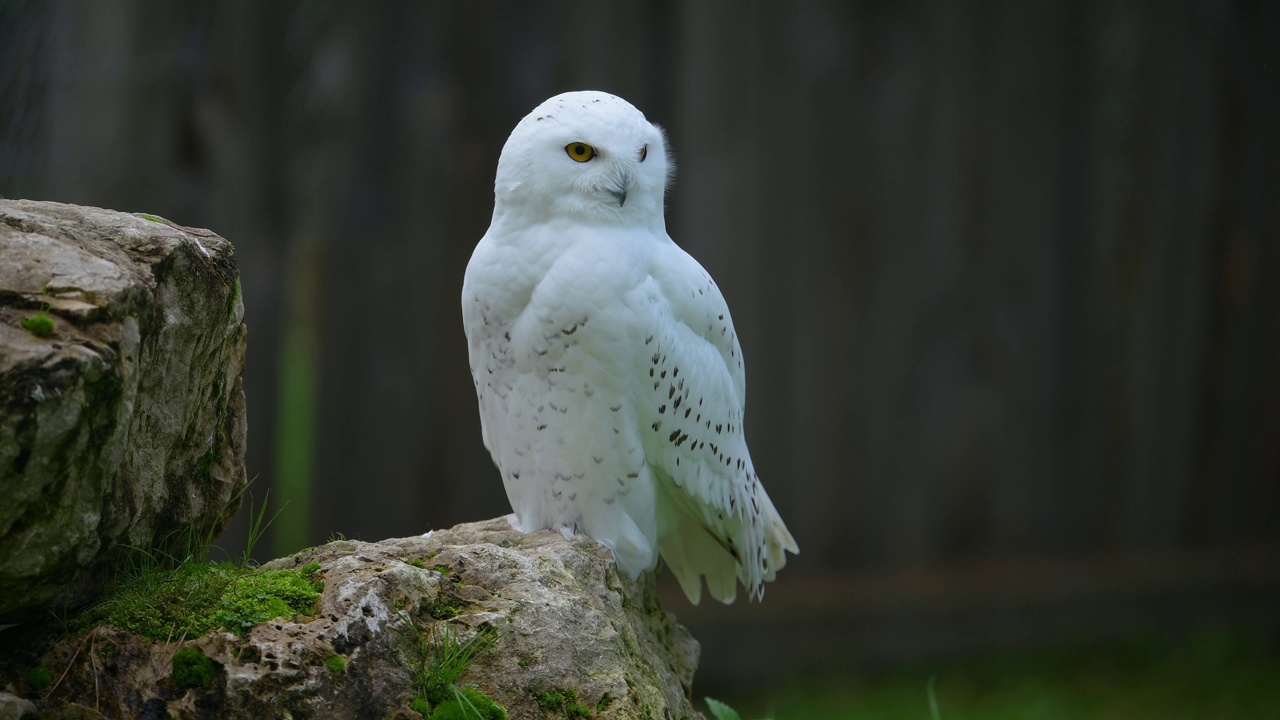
{"x": 610, "y": 380}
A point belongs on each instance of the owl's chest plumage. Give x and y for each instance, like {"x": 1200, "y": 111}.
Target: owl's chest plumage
{"x": 529, "y": 301}
{"x": 552, "y": 323}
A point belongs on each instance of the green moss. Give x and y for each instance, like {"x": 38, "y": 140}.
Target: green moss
{"x": 106, "y": 389}
{"x": 555, "y": 700}
{"x": 419, "y": 563}
{"x": 38, "y": 324}
{"x": 196, "y": 598}
{"x": 262, "y": 596}
{"x": 309, "y": 569}
{"x": 235, "y": 297}
{"x": 192, "y": 669}
{"x": 444, "y": 612}
{"x": 151, "y": 218}
{"x": 474, "y": 705}
{"x": 203, "y": 466}
{"x": 605, "y": 701}
{"x": 577, "y": 711}
{"x": 336, "y": 664}
{"x": 39, "y": 678}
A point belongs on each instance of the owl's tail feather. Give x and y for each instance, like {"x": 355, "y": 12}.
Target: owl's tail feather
{"x": 778, "y": 539}
{"x": 691, "y": 552}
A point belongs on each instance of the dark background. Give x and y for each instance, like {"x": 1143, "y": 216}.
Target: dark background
{"x": 1005, "y": 275}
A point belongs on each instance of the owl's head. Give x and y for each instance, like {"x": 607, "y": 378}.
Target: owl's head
{"x": 588, "y": 155}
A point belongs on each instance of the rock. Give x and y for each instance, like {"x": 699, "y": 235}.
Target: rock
{"x": 572, "y": 637}
{"x": 126, "y": 423}
{"x": 13, "y": 707}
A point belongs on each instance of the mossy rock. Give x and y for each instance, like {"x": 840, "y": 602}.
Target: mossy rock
{"x": 122, "y": 409}
{"x": 191, "y": 668}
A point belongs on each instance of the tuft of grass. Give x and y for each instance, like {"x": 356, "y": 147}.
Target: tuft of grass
{"x": 258, "y": 524}
{"x": 469, "y": 705}
{"x": 438, "y": 661}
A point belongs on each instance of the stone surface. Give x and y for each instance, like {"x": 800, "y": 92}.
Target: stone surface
{"x": 565, "y": 621}
{"x": 13, "y": 707}
{"x": 127, "y": 422}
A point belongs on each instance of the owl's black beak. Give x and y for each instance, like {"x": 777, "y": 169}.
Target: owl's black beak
{"x": 619, "y": 191}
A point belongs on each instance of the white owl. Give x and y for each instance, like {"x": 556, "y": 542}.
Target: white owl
{"x": 610, "y": 380}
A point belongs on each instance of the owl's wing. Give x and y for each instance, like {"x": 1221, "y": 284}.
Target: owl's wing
{"x": 714, "y": 517}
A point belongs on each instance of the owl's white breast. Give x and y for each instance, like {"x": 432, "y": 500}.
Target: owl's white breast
{"x": 553, "y": 315}
{"x": 552, "y": 269}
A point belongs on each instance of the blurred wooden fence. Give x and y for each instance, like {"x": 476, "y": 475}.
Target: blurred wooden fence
{"x": 1005, "y": 273}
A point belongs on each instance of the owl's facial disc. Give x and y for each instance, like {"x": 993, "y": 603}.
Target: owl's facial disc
{"x": 585, "y": 155}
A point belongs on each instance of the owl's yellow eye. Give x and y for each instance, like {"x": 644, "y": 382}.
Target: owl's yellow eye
{"x": 581, "y": 152}
{"x": 644, "y": 153}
